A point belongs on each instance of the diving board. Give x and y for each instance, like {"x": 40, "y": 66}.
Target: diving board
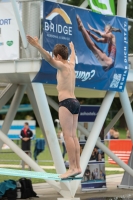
{"x": 32, "y": 174}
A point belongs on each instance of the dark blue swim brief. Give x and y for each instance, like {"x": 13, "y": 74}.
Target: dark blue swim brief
{"x": 71, "y": 104}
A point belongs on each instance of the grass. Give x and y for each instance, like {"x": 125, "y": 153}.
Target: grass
{"x": 45, "y": 158}
{"x": 113, "y": 172}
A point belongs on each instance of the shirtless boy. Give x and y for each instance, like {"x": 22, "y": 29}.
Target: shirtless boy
{"x": 68, "y": 104}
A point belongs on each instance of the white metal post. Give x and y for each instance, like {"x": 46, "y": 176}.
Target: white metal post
{"x": 64, "y": 186}
{"x": 116, "y": 118}
{"x": 127, "y": 111}
{"x": 84, "y": 4}
{"x": 98, "y": 143}
{"x": 45, "y": 114}
{"x": 48, "y": 125}
{"x": 121, "y": 7}
{"x": 34, "y": 25}
{"x": 33, "y": 102}
{"x": 108, "y": 152}
{"x": 6, "y": 94}
{"x": 25, "y": 22}
{"x": 21, "y": 29}
{"x": 12, "y": 110}
{"x": 115, "y": 158}
{"x": 93, "y": 136}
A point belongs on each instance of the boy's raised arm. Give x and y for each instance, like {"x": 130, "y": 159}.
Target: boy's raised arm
{"x": 72, "y": 56}
{"x": 35, "y": 43}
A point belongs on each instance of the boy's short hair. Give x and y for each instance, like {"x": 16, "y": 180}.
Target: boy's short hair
{"x": 26, "y": 123}
{"x": 62, "y": 50}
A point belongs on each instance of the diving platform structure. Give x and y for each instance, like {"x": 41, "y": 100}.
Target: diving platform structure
{"x": 24, "y": 71}
{"x": 18, "y": 75}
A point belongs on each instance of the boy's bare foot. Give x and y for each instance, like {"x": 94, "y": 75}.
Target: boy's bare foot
{"x": 80, "y": 25}
{"x": 71, "y": 173}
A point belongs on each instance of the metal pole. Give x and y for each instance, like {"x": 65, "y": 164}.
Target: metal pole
{"x": 26, "y": 158}
{"x": 34, "y": 25}
{"x": 127, "y": 111}
{"x": 116, "y": 118}
{"x": 107, "y": 151}
{"x": 25, "y": 22}
{"x": 12, "y": 110}
{"x": 114, "y": 157}
{"x": 93, "y": 136}
{"x": 98, "y": 143}
{"x": 84, "y": 4}
{"x": 121, "y": 7}
{"x": 33, "y": 102}
{"x": 45, "y": 114}
{"x": 6, "y": 94}
{"x": 48, "y": 125}
{"x": 21, "y": 29}
{"x": 35, "y": 108}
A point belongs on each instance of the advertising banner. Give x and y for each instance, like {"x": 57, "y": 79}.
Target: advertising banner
{"x": 94, "y": 177}
{"x": 9, "y": 33}
{"x": 88, "y": 113}
{"x": 101, "y": 45}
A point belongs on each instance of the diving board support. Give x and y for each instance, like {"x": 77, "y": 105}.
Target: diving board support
{"x": 127, "y": 179}
{"x": 33, "y": 102}
{"x": 7, "y": 93}
{"x": 42, "y": 108}
{"x": 116, "y": 118}
{"x": 12, "y": 110}
{"x": 48, "y": 125}
{"x": 94, "y": 134}
{"x": 98, "y": 143}
{"x": 128, "y": 113}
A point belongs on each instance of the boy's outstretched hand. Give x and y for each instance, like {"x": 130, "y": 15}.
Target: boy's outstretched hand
{"x": 33, "y": 41}
{"x": 71, "y": 45}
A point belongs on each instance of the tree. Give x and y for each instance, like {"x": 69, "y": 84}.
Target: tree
{"x": 74, "y": 2}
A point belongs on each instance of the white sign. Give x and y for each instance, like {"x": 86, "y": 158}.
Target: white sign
{"x": 105, "y": 7}
{"x": 9, "y": 33}
{"x": 17, "y": 126}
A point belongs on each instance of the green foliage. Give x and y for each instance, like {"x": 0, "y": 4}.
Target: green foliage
{"x": 130, "y": 9}
{"x": 74, "y": 2}
{"x": 129, "y": 6}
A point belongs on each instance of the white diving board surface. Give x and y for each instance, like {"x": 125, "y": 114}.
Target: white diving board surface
{"x": 32, "y": 174}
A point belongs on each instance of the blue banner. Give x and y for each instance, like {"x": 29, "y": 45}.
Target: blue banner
{"x": 101, "y": 45}
{"x": 88, "y": 113}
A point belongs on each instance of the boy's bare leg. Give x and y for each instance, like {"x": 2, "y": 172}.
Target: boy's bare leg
{"x": 77, "y": 146}
{"x": 66, "y": 121}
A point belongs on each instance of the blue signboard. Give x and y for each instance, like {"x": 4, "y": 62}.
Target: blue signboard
{"x": 101, "y": 45}
{"x": 88, "y": 113}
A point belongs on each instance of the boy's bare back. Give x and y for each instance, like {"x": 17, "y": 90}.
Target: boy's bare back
{"x": 66, "y": 81}
{"x": 65, "y": 69}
